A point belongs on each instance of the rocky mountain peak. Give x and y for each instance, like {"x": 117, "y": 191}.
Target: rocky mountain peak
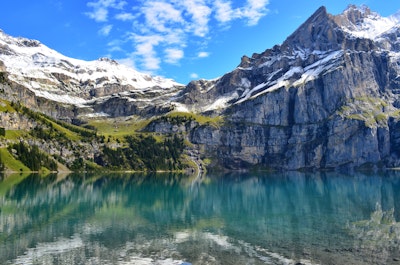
{"x": 361, "y": 22}
{"x": 317, "y": 33}
{"x": 354, "y": 17}
{"x": 106, "y": 59}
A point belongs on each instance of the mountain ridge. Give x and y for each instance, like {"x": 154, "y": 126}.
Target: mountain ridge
{"x": 326, "y": 98}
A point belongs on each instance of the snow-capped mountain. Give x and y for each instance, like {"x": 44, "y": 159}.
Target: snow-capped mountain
{"x": 316, "y": 47}
{"x": 361, "y": 22}
{"x": 53, "y": 76}
{"x": 327, "y": 97}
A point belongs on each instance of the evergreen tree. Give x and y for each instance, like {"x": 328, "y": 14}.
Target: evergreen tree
{"x": 33, "y": 158}
{"x": 2, "y": 167}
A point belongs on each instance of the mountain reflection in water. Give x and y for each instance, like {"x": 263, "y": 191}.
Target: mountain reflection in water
{"x": 246, "y": 218}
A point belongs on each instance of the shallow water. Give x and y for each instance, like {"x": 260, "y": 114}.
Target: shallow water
{"x": 249, "y": 218}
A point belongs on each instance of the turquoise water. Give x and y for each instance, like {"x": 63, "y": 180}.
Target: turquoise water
{"x": 260, "y": 218}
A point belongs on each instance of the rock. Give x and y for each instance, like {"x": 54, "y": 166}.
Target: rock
{"x": 341, "y": 118}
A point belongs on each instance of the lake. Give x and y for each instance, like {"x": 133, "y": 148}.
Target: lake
{"x": 236, "y": 218}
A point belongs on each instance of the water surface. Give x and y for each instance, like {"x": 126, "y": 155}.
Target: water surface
{"x": 249, "y": 218}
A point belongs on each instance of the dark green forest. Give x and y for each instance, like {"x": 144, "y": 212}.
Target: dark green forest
{"x": 32, "y": 157}
{"x": 2, "y": 167}
{"x": 144, "y": 153}
{"x": 83, "y": 148}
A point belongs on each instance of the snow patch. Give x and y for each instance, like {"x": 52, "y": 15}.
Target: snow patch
{"x": 97, "y": 115}
{"x": 179, "y": 107}
{"x": 314, "y": 70}
{"x": 293, "y": 71}
{"x": 245, "y": 68}
{"x": 67, "y": 99}
{"x": 373, "y": 26}
{"x": 309, "y": 73}
{"x": 221, "y": 102}
{"x": 278, "y": 85}
{"x": 244, "y": 82}
{"x": 246, "y": 95}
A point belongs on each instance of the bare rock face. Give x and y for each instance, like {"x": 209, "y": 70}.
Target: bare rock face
{"x": 326, "y": 98}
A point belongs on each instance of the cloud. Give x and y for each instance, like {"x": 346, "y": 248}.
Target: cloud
{"x": 223, "y": 11}
{"x": 105, "y": 31}
{"x": 125, "y": 16}
{"x": 203, "y": 54}
{"x": 160, "y": 30}
{"x": 200, "y": 14}
{"x": 194, "y": 76}
{"x": 146, "y": 52}
{"x": 161, "y": 16}
{"x": 129, "y": 62}
{"x": 253, "y": 11}
{"x": 115, "y": 46}
{"x": 173, "y": 56}
{"x": 101, "y": 9}
{"x": 99, "y": 14}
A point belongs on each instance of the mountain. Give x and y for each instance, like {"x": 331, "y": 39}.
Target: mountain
{"x": 326, "y": 98}
{"x": 42, "y": 74}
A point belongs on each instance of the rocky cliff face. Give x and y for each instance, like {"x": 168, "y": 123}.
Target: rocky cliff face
{"x": 326, "y": 98}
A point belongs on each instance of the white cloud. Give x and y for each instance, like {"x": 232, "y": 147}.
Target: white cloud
{"x": 194, "y": 76}
{"x": 161, "y": 16}
{"x": 99, "y": 14}
{"x": 223, "y": 11}
{"x": 203, "y": 54}
{"x": 200, "y": 14}
{"x": 105, "y": 31}
{"x": 160, "y": 30}
{"x": 173, "y": 55}
{"x": 255, "y": 10}
{"x": 115, "y": 46}
{"x": 125, "y": 16}
{"x": 129, "y": 62}
{"x": 145, "y": 50}
{"x": 101, "y": 9}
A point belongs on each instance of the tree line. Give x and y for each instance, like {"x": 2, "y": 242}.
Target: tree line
{"x": 32, "y": 157}
{"x": 144, "y": 153}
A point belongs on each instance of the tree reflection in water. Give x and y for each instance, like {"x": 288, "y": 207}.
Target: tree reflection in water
{"x": 257, "y": 218}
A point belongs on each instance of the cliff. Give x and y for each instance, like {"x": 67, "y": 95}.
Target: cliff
{"x": 326, "y": 98}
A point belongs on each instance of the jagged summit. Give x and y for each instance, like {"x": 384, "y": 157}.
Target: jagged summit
{"x": 361, "y": 22}
{"x": 324, "y": 32}
{"x": 319, "y": 46}
{"x": 317, "y": 33}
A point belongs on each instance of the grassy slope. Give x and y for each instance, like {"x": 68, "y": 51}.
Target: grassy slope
{"x": 11, "y": 163}
{"x": 201, "y": 119}
{"x": 116, "y": 129}
{"x": 69, "y": 134}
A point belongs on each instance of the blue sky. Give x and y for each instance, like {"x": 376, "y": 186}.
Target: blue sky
{"x": 179, "y": 39}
